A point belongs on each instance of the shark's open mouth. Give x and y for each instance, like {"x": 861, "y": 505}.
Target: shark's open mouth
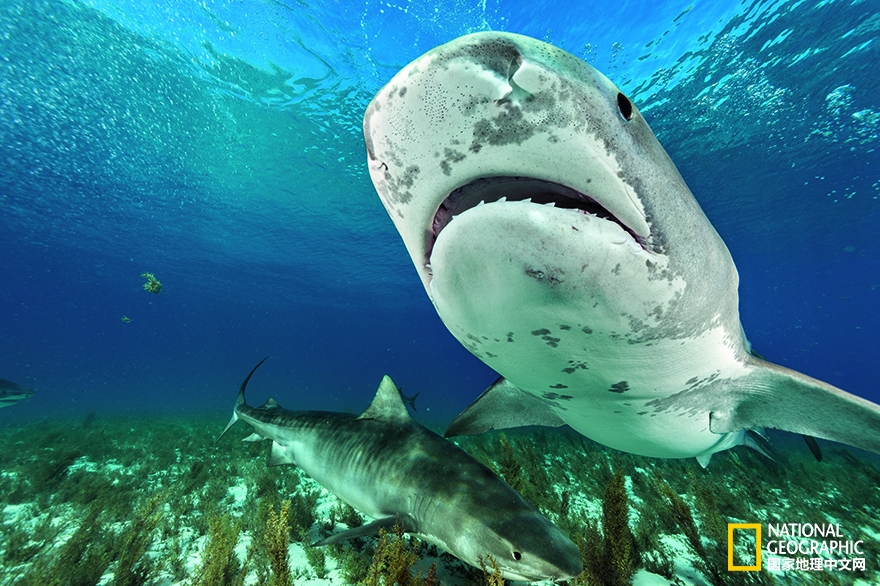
{"x": 536, "y": 191}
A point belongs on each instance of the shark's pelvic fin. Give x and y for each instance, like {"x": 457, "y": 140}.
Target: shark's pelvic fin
{"x": 503, "y": 406}
{"x": 777, "y": 397}
{"x": 814, "y": 447}
{"x": 280, "y": 455}
{"x": 751, "y": 439}
{"x": 387, "y": 523}
{"x": 387, "y": 404}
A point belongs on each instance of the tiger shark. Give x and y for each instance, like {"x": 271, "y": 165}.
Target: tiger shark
{"x": 560, "y": 245}
{"x": 11, "y": 393}
{"x": 394, "y": 470}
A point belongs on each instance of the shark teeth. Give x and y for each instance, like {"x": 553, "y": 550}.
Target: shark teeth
{"x": 518, "y": 189}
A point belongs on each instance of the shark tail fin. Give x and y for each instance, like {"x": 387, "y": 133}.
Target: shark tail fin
{"x": 240, "y": 400}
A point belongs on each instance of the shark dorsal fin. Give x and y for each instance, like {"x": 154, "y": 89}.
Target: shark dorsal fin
{"x": 387, "y": 404}
{"x": 270, "y": 404}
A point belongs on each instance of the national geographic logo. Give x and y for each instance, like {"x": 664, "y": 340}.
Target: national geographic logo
{"x": 794, "y": 547}
{"x": 731, "y": 527}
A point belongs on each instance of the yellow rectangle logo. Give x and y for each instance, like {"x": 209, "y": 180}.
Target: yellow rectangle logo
{"x": 731, "y": 527}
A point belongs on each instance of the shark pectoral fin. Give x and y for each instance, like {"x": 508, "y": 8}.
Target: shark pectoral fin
{"x": 387, "y": 523}
{"x": 703, "y": 460}
{"x": 777, "y": 397}
{"x": 503, "y": 406}
{"x": 280, "y": 455}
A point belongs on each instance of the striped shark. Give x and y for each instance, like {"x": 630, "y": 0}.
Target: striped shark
{"x": 560, "y": 245}
{"x": 11, "y": 393}
{"x": 392, "y": 469}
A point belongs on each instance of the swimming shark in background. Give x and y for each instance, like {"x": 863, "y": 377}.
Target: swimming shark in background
{"x": 559, "y": 244}
{"x": 11, "y": 393}
{"x": 389, "y": 467}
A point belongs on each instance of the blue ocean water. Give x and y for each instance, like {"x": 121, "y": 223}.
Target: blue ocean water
{"x": 218, "y": 145}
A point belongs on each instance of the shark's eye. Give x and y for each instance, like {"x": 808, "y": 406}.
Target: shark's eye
{"x": 626, "y": 107}
{"x": 517, "y": 555}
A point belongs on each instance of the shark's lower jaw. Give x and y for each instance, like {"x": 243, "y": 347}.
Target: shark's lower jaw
{"x": 537, "y": 191}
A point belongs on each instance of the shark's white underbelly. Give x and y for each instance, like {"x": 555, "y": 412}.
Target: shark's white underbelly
{"x": 608, "y": 389}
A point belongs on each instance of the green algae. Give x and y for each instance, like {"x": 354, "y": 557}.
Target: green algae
{"x": 152, "y": 500}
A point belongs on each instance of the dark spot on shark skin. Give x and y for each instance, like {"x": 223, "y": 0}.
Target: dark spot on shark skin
{"x": 545, "y": 335}
{"x": 495, "y": 55}
{"x": 540, "y": 275}
{"x": 564, "y": 327}
{"x": 616, "y": 270}
{"x": 587, "y": 330}
{"x": 535, "y": 274}
{"x": 510, "y": 126}
{"x": 472, "y": 348}
{"x": 559, "y": 386}
{"x": 490, "y": 355}
{"x": 510, "y": 336}
{"x": 402, "y": 92}
{"x": 398, "y": 188}
{"x": 620, "y": 387}
{"x": 575, "y": 365}
{"x": 454, "y": 156}
{"x": 474, "y": 339}
{"x": 555, "y": 396}
{"x": 642, "y": 413}
{"x": 692, "y": 380}
{"x": 451, "y": 157}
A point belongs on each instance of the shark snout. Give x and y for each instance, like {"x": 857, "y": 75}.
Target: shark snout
{"x": 539, "y": 550}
